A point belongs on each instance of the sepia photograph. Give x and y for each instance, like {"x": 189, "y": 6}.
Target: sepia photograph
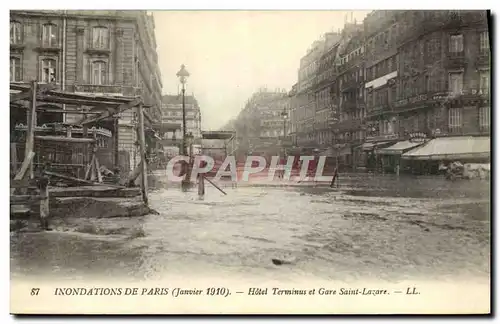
{"x": 250, "y": 161}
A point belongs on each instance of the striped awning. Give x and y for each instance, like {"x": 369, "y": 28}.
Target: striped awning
{"x": 452, "y": 148}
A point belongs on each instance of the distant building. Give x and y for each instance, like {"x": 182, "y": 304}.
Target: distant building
{"x": 261, "y": 125}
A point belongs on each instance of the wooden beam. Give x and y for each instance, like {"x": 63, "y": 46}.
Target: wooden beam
{"x": 71, "y": 95}
{"x": 30, "y": 138}
{"x": 107, "y": 113}
{"x": 24, "y": 183}
{"x": 77, "y": 180}
{"x": 65, "y": 139}
{"x": 13, "y": 157}
{"x": 135, "y": 173}
{"x": 24, "y": 199}
{"x": 99, "y": 175}
{"x": 20, "y": 86}
{"x": 72, "y": 101}
{"x": 20, "y": 96}
{"x": 67, "y": 111}
{"x": 24, "y": 167}
{"x": 142, "y": 146}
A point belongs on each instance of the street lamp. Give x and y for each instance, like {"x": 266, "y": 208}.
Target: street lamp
{"x": 183, "y": 74}
{"x": 284, "y": 114}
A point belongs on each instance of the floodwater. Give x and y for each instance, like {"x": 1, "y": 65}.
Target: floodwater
{"x": 370, "y": 227}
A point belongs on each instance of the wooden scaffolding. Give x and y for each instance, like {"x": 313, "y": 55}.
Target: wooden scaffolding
{"x": 34, "y": 96}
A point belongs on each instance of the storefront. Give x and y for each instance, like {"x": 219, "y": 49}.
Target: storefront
{"x": 425, "y": 159}
{"x": 390, "y": 156}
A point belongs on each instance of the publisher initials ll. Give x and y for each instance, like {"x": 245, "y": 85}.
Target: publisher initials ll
{"x": 412, "y": 291}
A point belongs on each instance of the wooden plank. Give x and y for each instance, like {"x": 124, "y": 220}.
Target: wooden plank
{"x": 110, "y": 112}
{"x": 65, "y": 139}
{"x": 142, "y": 147}
{"x": 77, "y": 180}
{"x": 24, "y": 167}
{"x": 20, "y": 96}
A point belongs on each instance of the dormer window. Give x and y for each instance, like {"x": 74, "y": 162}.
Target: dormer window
{"x": 100, "y": 38}
{"x": 49, "y": 35}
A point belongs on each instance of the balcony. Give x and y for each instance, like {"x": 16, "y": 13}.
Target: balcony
{"x": 379, "y": 109}
{"x": 483, "y": 59}
{"x": 455, "y": 60}
{"x": 349, "y": 85}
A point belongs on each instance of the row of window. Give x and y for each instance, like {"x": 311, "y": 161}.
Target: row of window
{"x": 48, "y": 73}
{"x": 50, "y": 35}
{"x": 455, "y": 120}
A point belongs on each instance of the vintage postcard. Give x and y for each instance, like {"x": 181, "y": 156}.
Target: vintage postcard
{"x": 250, "y": 162}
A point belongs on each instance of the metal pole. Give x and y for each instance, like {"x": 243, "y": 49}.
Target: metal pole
{"x": 183, "y": 120}
{"x": 142, "y": 142}
{"x": 185, "y": 181}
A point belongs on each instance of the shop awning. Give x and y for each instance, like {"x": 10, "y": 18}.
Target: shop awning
{"x": 372, "y": 145}
{"x": 398, "y": 148}
{"x": 452, "y": 148}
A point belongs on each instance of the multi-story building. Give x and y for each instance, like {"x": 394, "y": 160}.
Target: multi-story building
{"x": 305, "y": 97}
{"x": 349, "y": 126}
{"x": 109, "y": 53}
{"x": 434, "y": 80}
{"x": 325, "y": 99}
{"x": 292, "y": 129}
{"x": 381, "y": 63}
{"x": 261, "y": 125}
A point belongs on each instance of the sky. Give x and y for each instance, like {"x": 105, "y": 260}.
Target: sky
{"x": 230, "y": 54}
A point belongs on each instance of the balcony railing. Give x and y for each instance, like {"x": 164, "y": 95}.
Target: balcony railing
{"x": 483, "y": 59}
{"x": 349, "y": 124}
{"x": 456, "y": 60}
{"x": 350, "y": 85}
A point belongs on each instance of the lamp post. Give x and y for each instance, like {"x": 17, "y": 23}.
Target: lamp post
{"x": 183, "y": 74}
{"x": 284, "y": 114}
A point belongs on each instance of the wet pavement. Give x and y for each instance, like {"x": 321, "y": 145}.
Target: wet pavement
{"x": 379, "y": 227}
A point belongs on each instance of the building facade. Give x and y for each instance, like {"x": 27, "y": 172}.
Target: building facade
{"x": 110, "y": 53}
{"x": 398, "y": 74}
{"x": 172, "y": 121}
{"x": 262, "y": 125}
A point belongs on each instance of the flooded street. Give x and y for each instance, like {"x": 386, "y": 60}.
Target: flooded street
{"x": 378, "y": 228}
